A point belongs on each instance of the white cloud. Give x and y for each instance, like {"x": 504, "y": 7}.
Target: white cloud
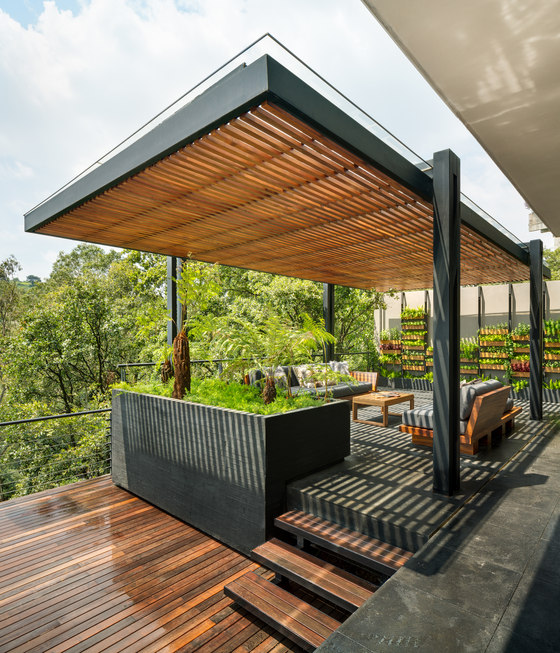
{"x": 74, "y": 84}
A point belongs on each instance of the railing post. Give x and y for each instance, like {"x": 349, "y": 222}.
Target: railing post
{"x": 446, "y": 320}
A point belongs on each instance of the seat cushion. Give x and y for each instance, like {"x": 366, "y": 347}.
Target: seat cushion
{"x": 424, "y": 418}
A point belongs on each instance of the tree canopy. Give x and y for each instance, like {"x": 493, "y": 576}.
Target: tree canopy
{"x": 62, "y": 339}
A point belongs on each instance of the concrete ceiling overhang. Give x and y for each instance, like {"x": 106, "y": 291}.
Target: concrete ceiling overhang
{"x": 262, "y": 172}
{"x": 496, "y": 65}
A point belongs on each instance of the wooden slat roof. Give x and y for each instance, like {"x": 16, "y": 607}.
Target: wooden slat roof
{"x": 269, "y": 190}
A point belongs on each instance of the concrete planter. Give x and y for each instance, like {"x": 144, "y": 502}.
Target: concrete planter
{"x": 222, "y": 471}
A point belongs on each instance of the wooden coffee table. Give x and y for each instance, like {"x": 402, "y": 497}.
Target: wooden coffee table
{"x": 381, "y": 399}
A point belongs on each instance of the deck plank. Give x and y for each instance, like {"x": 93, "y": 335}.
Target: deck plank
{"x": 91, "y": 567}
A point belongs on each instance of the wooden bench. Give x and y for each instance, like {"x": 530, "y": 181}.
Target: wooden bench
{"x": 367, "y": 551}
{"x": 294, "y": 618}
{"x": 327, "y": 581}
{"x": 487, "y": 420}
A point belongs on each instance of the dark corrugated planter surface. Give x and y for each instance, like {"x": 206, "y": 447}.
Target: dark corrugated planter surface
{"x": 221, "y": 470}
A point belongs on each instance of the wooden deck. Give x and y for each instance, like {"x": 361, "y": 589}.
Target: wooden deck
{"x": 90, "y": 567}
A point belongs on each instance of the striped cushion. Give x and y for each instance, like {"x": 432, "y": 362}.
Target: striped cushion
{"x": 424, "y": 418}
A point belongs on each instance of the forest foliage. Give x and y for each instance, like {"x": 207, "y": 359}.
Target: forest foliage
{"x": 61, "y": 340}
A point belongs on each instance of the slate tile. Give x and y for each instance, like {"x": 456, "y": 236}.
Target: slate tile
{"x": 402, "y": 617}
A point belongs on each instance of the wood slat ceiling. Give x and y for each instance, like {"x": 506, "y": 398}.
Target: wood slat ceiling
{"x": 268, "y": 192}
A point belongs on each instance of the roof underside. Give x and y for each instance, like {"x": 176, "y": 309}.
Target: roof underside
{"x": 496, "y": 65}
{"x": 268, "y": 191}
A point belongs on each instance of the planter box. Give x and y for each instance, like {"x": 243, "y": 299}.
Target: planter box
{"x": 489, "y": 354}
{"x": 520, "y": 338}
{"x": 493, "y": 332}
{"x": 222, "y": 471}
{"x": 468, "y": 371}
{"x": 521, "y": 395}
{"x": 552, "y": 345}
{"x": 522, "y": 350}
{"x": 552, "y": 370}
{"x": 491, "y": 366}
{"x": 492, "y": 343}
{"x": 551, "y": 396}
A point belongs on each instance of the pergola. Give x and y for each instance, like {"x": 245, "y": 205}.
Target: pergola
{"x": 262, "y": 172}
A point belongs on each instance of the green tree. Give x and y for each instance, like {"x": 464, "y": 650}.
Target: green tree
{"x": 552, "y": 259}
{"x": 83, "y": 321}
{"x": 10, "y": 305}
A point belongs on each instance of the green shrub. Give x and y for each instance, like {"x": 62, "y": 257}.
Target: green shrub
{"x": 237, "y": 396}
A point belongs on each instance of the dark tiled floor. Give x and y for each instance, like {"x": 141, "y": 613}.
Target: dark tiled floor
{"x": 384, "y": 489}
{"x": 488, "y": 579}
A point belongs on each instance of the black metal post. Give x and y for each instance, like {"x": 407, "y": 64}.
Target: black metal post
{"x": 447, "y": 252}
{"x": 173, "y": 306}
{"x": 480, "y": 300}
{"x": 510, "y": 307}
{"x": 328, "y": 316}
{"x": 536, "y": 345}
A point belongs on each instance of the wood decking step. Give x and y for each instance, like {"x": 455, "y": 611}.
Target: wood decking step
{"x": 294, "y": 618}
{"x": 368, "y": 551}
{"x": 331, "y": 583}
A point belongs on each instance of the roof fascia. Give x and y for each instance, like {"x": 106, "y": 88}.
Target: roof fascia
{"x": 242, "y": 89}
{"x": 238, "y": 91}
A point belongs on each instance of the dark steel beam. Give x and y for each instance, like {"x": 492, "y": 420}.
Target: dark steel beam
{"x": 476, "y": 222}
{"x": 328, "y": 316}
{"x": 536, "y": 344}
{"x": 446, "y": 320}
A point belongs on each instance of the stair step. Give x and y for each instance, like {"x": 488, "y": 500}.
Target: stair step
{"x": 292, "y": 617}
{"x": 331, "y": 583}
{"x": 368, "y": 551}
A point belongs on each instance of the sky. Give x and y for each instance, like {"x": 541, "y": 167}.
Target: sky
{"x": 78, "y": 76}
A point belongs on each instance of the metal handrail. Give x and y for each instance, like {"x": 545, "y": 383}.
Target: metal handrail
{"x": 30, "y": 420}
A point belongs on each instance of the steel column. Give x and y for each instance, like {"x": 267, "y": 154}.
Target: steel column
{"x": 536, "y": 345}
{"x": 328, "y": 316}
{"x": 446, "y": 320}
{"x": 510, "y": 307}
{"x": 173, "y": 305}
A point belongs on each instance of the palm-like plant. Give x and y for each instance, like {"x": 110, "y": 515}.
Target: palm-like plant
{"x": 270, "y": 344}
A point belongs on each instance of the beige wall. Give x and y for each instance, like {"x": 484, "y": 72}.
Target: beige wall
{"x": 494, "y": 306}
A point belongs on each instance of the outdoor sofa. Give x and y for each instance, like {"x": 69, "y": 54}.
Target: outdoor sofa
{"x": 307, "y": 379}
{"x": 485, "y": 410}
